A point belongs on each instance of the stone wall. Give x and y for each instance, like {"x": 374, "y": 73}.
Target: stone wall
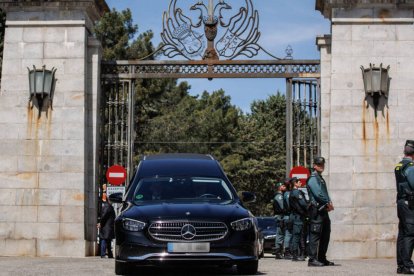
{"x": 47, "y": 181}
{"x": 362, "y": 149}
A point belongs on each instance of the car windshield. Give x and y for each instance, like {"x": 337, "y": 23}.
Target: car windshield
{"x": 266, "y": 223}
{"x": 182, "y": 189}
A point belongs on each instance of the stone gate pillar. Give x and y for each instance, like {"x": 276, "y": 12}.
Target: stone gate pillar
{"x": 362, "y": 149}
{"x": 47, "y": 175}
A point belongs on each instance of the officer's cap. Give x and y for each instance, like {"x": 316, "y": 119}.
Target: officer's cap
{"x": 278, "y": 184}
{"x": 319, "y": 160}
{"x": 293, "y": 179}
{"x": 409, "y": 143}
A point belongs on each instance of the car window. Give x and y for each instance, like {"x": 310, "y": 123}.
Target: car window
{"x": 182, "y": 188}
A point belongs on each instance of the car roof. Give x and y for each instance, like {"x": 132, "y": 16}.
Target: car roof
{"x": 178, "y": 156}
{"x": 179, "y": 165}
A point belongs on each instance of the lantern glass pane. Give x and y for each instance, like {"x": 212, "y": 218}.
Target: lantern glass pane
{"x": 48, "y": 82}
{"x": 384, "y": 81}
{"x": 39, "y": 81}
{"x": 376, "y": 80}
{"x": 31, "y": 82}
{"x": 367, "y": 80}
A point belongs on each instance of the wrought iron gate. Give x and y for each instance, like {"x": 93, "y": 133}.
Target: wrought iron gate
{"x": 302, "y": 122}
{"x": 183, "y": 36}
{"x": 117, "y": 128}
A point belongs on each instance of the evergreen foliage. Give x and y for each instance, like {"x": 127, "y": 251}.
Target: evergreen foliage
{"x": 251, "y": 147}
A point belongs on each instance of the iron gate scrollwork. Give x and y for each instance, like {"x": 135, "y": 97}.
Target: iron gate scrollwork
{"x": 117, "y": 128}
{"x": 303, "y": 122}
{"x": 191, "y": 33}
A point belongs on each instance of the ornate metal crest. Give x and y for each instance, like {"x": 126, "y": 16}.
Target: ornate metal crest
{"x": 192, "y": 33}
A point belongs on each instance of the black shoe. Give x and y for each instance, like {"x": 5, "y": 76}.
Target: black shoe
{"x": 313, "y": 262}
{"x": 288, "y": 255}
{"x": 327, "y": 263}
{"x": 110, "y": 257}
{"x": 278, "y": 256}
{"x": 102, "y": 257}
{"x": 407, "y": 270}
{"x": 399, "y": 269}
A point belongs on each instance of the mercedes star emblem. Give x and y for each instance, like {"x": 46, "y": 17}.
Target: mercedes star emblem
{"x": 188, "y": 232}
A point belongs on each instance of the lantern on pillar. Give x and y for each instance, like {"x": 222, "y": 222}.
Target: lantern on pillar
{"x": 41, "y": 87}
{"x": 376, "y": 82}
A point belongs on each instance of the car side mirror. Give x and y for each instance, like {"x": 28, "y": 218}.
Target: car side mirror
{"x": 116, "y": 197}
{"x": 247, "y": 197}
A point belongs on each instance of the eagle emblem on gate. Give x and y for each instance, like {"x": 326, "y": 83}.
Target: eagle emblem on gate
{"x": 202, "y": 31}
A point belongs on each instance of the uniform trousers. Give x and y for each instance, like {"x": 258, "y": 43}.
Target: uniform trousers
{"x": 405, "y": 239}
{"x": 283, "y": 234}
{"x": 297, "y": 233}
{"x": 320, "y": 232}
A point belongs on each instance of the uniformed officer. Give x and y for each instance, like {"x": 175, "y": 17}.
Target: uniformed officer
{"x": 299, "y": 216}
{"x": 279, "y": 211}
{"x": 404, "y": 175}
{"x": 320, "y": 224}
{"x": 287, "y": 220}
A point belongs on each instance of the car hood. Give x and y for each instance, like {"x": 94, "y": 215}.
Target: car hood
{"x": 190, "y": 211}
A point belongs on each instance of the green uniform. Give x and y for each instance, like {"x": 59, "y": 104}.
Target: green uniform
{"x": 288, "y": 223}
{"x": 404, "y": 174}
{"x": 279, "y": 209}
{"x": 299, "y": 215}
{"x": 320, "y": 225}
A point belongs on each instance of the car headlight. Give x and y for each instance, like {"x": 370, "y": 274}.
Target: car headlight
{"x": 133, "y": 225}
{"x": 268, "y": 237}
{"x": 242, "y": 224}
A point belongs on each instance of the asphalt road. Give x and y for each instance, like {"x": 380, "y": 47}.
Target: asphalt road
{"x": 268, "y": 266}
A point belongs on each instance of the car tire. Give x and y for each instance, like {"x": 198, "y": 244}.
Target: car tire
{"x": 122, "y": 268}
{"x": 248, "y": 268}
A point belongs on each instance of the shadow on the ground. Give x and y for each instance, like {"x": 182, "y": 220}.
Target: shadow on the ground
{"x": 187, "y": 271}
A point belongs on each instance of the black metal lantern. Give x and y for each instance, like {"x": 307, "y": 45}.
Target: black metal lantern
{"x": 41, "y": 87}
{"x": 376, "y": 81}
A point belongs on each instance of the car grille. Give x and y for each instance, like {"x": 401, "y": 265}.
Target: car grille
{"x": 172, "y": 230}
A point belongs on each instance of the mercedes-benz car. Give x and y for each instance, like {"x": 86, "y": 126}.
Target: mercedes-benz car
{"x": 181, "y": 209}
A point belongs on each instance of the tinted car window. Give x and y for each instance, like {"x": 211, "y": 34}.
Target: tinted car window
{"x": 181, "y": 188}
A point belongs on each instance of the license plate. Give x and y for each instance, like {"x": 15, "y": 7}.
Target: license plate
{"x": 188, "y": 247}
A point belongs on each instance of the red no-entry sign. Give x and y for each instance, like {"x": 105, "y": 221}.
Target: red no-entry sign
{"x": 300, "y": 173}
{"x": 116, "y": 175}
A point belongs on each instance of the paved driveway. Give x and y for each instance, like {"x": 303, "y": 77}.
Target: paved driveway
{"x": 17, "y": 266}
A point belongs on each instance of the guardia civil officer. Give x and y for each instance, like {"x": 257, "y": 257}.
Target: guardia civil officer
{"x": 279, "y": 211}
{"x": 404, "y": 175}
{"x": 299, "y": 216}
{"x": 287, "y": 220}
{"x": 320, "y": 224}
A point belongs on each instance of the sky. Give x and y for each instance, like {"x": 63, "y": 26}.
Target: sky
{"x": 281, "y": 23}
